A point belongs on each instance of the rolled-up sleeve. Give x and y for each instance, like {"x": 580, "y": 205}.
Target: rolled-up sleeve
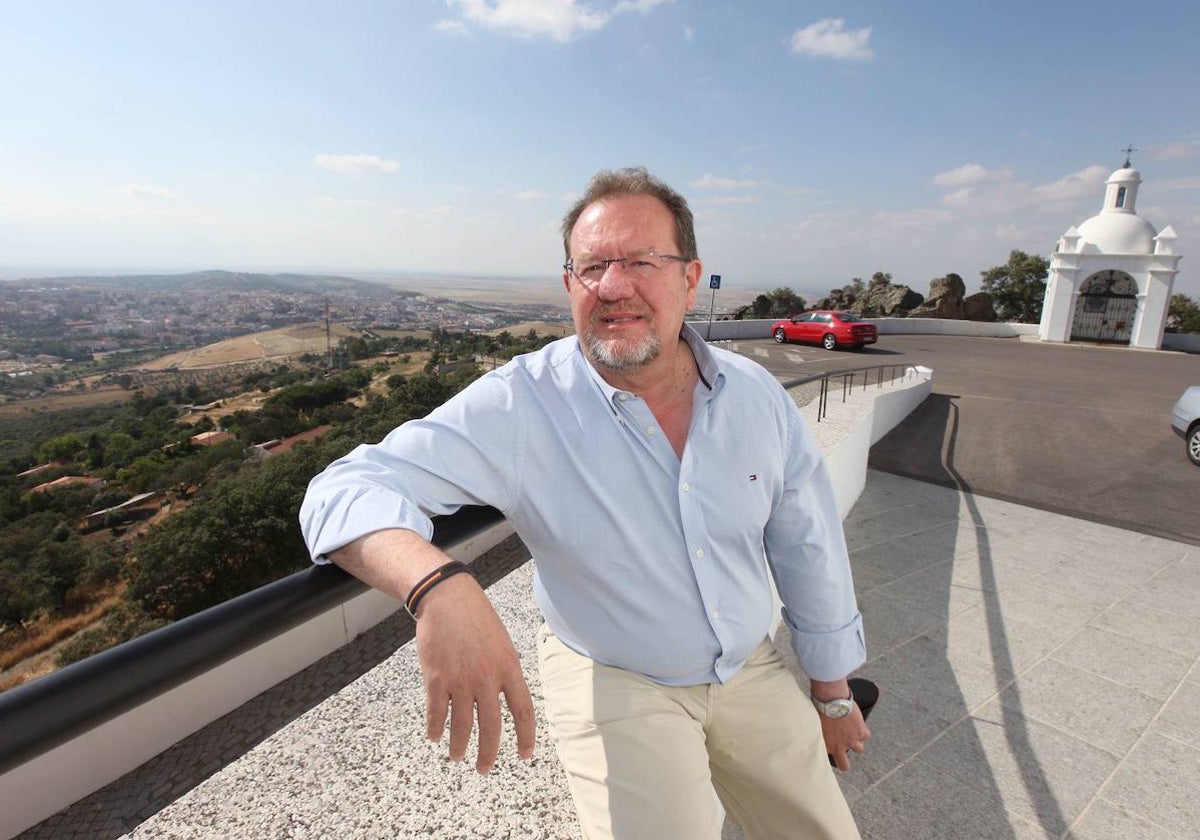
{"x": 461, "y": 454}
{"x": 806, "y": 550}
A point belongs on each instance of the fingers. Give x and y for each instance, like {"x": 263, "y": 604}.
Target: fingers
{"x": 489, "y": 733}
{"x": 437, "y": 705}
{"x": 462, "y": 720}
{"x": 520, "y": 705}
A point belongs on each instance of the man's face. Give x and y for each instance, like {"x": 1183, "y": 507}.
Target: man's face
{"x": 624, "y": 320}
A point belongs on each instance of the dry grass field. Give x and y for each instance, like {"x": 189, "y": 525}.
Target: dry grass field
{"x": 265, "y": 346}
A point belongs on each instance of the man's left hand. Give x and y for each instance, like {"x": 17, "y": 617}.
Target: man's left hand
{"x": 844, "y": 735}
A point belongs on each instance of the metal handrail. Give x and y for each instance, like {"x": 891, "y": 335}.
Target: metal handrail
{"x": 849, "y": 380}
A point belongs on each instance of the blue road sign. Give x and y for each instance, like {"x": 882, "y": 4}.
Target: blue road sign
{"x": 714, "y": 281}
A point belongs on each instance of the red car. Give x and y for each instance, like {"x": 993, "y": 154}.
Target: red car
{"x": 825, "y": 327}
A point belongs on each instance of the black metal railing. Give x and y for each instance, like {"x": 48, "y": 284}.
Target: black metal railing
{"x": 819, "y": 385}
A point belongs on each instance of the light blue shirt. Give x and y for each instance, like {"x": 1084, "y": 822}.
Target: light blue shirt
{"x": 643, "y": 560}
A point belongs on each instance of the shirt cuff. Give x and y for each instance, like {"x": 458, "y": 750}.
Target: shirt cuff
{"x": 829, "y": 656}
{"x": 340, "y": 518}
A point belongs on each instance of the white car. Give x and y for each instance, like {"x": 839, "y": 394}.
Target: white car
{"x": 1185, "y": 419}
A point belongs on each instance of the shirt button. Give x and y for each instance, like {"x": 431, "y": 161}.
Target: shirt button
{"x": 686, "y": 487}
{"x": 699, "y": 552}
{"x": 649, "y": 430}
{"x": 716, "y": 613}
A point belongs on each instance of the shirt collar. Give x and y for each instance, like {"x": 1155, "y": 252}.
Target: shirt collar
{"x": 706, "y": 362}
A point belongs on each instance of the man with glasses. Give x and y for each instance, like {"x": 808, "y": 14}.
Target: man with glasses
{"x": 660, "y": 485}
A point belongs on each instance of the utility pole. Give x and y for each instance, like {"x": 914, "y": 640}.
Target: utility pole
{"x": 328, "y": 340}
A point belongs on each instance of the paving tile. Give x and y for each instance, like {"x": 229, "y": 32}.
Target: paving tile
{"x": 1055, "y": 612}
{"x": 1158, "y": 781}
{"x": 1162, "y": 595}
{"x": 989, "y": 574}
{"x": 900, "y": 728}
{"x": 1089, "y": 707}
{"x": 921, "y": 672}
{"x": 1152, "y": 625}
{"x": 1137, "y": 665}
{"x": 949, "y": 539}
{"x": 1009, "y": 645}
{"x": 1120, "y": 574}
{"x": 886, "y": 561}
{"x": 1180, "y": 717}
{"x": 919, "y": 802}
{"x": 1039, "y": 772}
{"x": 1106, "y": 821}
{"x": 888, "y": 622}
{"x": 933, "y": 592}
{"x": 888, "y": 525}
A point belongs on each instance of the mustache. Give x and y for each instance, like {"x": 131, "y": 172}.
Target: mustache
{"x": 621, "y": 311}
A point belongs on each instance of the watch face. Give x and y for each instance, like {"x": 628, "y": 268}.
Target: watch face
{"x": 838, "y": 708}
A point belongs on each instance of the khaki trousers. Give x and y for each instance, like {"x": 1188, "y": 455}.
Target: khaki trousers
{"x": 643, "y": 759}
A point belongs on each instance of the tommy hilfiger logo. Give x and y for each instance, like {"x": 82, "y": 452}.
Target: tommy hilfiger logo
{"x": 754, "y": 477}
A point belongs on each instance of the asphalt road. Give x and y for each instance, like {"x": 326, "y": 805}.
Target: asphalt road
{"x": 1077, "y": 429}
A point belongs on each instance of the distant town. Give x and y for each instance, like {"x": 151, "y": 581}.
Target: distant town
{"x": 49, "y": 328}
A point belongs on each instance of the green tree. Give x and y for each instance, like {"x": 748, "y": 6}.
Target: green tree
{"x": 61, "y": 448}
{"x": 1018, "y": 288}
{"x": 1183, "y": 315}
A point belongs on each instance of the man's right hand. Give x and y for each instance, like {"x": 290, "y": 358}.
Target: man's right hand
{"x": 467, "y": 657}
{"x": 468, "y": 661}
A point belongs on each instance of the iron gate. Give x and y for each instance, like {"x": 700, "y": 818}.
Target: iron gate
{"x": 1106, "y": 307}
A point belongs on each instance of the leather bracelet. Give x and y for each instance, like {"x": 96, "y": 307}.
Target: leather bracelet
{"x": 431, "y": 580}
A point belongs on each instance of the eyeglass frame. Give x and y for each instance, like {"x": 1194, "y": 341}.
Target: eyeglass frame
{"x": 569, "y": 265}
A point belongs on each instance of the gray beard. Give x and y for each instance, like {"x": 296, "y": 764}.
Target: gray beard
{"x": 618, "y": 356}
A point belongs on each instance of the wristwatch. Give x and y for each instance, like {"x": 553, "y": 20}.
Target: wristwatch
{"x": 834, "y": 709}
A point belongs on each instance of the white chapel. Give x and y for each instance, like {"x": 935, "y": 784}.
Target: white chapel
{"x": 1110, "y": 278}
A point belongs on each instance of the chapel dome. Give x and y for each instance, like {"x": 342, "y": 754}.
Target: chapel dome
{"x": 1118, "y": 233}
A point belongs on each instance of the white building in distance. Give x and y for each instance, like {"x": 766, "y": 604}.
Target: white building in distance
{"x": 1111, "y": 277}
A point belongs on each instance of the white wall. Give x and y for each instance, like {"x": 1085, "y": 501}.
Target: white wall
{"x": 761, "y": 328}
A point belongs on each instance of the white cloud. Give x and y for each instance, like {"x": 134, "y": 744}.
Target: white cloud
{"x": 330, "y": 201}
{"x": 560, "y": 20}
{"x": 145, "y": 191}
{"x": 355, "y": 163}
{"x": 1190, "y": 183}
{"x": 714, "y": 182}
{"x": 970, "y": 173}
{"x": 688, "y": 33}
{"x": 1183, "y": 150}
{"x": 530, "y": 195}
{"x": 1085, "y": 183}
{"x": 732, "y": 199}
{"x": 829, "y": 38}
{"x": 451, "y": 27}
{"x": 639, "y": 5}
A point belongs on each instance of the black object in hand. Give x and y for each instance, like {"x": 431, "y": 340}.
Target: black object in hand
{"x": 865, "y": 694}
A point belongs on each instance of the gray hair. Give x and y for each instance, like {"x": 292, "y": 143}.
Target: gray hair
{"x": 634, "y": 180}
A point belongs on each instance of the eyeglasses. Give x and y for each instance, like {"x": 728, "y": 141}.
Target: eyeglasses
{"x": 645, "y": 265}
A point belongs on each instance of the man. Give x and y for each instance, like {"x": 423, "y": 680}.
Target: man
{"x": 658, "y": 483}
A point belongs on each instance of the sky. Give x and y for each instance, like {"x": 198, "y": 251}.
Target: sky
{"x": 816, "y": 141}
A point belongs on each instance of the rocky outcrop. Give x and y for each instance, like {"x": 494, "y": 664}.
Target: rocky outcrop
{"x": 947, "y": 299}
{"x": 889, "y": 301}
{"x": 978, "y": 307}
{"x": 881, "y": 300}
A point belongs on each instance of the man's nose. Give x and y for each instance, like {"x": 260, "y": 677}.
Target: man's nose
{"x": 616, "y": 282}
